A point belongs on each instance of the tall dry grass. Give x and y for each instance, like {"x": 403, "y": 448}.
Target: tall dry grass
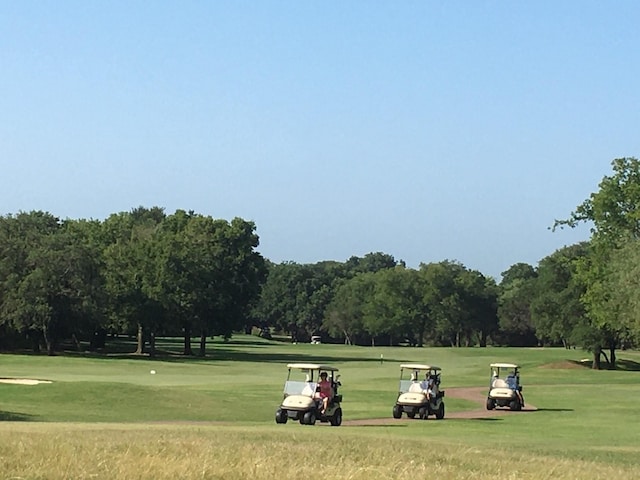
{"x": 132, "y": 452}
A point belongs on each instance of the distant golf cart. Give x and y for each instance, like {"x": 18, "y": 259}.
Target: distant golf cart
{"x": 505, "y": 389}
{"x": 419, "y": 392}
{"x": 302, "y": 401}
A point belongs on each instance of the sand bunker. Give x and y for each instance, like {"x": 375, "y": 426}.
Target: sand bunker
{"x": 23, "y": 381}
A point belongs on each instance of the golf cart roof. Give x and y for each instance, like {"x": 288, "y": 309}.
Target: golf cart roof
{"x": 418, "y": 366}
{"x": 504, "y": 365}
{"x": 311, "y": 366}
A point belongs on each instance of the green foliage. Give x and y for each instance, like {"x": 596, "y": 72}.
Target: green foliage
{"x": 345, "y": 316}
{"x": 49, "y": 276}
{"x": 296, "y": 298}
{"x": 462, "y": 303}
{"x": 624, "y": 288}
{"x": 557, "y": 309}
{"x": 138, "y": 271}
{"x": 614, "y": 211}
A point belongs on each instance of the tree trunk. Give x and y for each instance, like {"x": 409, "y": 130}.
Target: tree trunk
{"x": 483, "y": 338}
{"x": 152, "y": 344}
{"x": 35, "y": 340}
{"x": 76, "y": 342}
{"x": 612, "y": 356}
{"x": 596, "y": 358}
{"x": 140, "y": 347}
{"x": 187, "y": 340}
{"x": 203, "y": 343}
{"x": 48, "y": 341}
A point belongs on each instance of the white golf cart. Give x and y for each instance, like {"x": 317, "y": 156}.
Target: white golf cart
{"x": 419, "y": 392}
{"x": 505, "y": 389}
{"x": 302, "y": 400}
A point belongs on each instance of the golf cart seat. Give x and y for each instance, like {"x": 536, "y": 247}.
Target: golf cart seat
{"x": 415, "y": 388}
{"x": 308, "y": 390}
{"x": 499, "y": 383}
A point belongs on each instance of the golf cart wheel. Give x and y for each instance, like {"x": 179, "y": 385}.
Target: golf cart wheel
{"x": 440, "y": 412}
{"x": 397, "y": 411}
{"x": 423, "y": 413}
{"x": 309, "y": 418}
{"x": 281, "y": 417}
{"x": 491, "y": 404}
{"x": 518, "y": 404}
{"x": 411, "y": 414}
{"x": 336, "y": 420}
{"x": 514, "y": 405}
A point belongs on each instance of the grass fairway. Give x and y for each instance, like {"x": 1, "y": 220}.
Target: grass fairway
{"x": 109, "y": 418}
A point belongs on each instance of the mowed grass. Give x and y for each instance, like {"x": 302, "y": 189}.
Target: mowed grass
{"x": 108, "y": 417}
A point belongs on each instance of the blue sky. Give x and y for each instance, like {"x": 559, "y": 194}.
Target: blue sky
{"x": 428, "y": 130}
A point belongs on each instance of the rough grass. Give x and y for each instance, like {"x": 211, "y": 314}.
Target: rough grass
{"x": 68, "y": 451}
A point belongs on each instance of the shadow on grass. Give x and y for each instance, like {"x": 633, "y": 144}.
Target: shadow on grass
{"x": 15, "y": 417}
{"x": 622, "y": 365}
{"x": 627, "y": 365}
{"x": 473, "y": 419}
{"x": 378, "y": 425}
{"x": 554, "y": 410}
{"x": 218, "y": 352}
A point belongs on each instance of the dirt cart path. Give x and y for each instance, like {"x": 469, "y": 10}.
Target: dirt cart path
{"x": 472, "y": 394}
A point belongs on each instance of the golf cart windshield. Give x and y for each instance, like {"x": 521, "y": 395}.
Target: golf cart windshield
{"x": 296, "y": 387}
{"x": 405, "y": 385}
{"x": 419, "y": 377}
{"x": 303, "y": 378}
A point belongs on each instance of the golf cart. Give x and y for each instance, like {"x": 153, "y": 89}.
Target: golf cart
{"x": 302, "y": 400}
{"x": 505, "y": 389}
{"x": 419, "y": 392}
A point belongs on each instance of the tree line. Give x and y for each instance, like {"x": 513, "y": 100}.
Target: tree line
{"x": 141, "y": 272}
{"x": 146, "y": 273}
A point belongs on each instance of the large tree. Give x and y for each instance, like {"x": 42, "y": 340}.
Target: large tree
{"x": 345, "y": 314}
{"x": 557, "y": 310}
{"x": 460, "y": 303}
{"x": 614, "y": 212}
{"x": 48, "y": 277}
{"x": 516, "y": 293}
{"x": 207, "y": 273}
{"x": 129, "y": 271}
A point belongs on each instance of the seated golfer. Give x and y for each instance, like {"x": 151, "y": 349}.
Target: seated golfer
{"x": 324, "y": 391}
{"x": 428, "y": 386}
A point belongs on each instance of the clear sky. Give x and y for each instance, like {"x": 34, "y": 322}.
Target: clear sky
{"x": 428, "y": 130}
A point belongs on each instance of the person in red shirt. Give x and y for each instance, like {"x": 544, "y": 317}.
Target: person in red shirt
{"x": 325, "y": 388}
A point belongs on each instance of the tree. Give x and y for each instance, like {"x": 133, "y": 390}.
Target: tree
{"x": 516, "y": 293}
{"x": 624, "y": 289}
{"x": 460, "y": 303}
{"x": 372, "y": 262}
{"x": 129, "y": 271}
{"x": 208, "y": 274}
{"x": 395, "y": 308}
{"x": 557, "y": 309}
{"x": 48, "y": 277}
{"x": 614, "y": 211}
{"x": 345, "y": 313}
